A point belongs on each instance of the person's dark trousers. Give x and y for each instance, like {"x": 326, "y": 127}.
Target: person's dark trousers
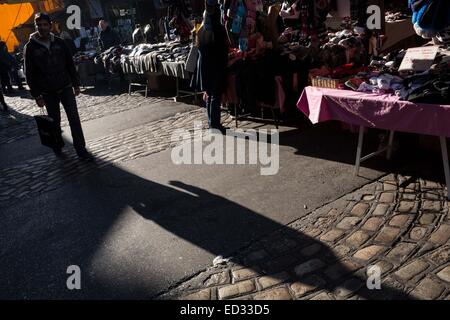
{"x": 67, "y": 98}
{"x": 213, "y": 109}
{"x": 14, "y": 74}
{"x": 6, "y": 83}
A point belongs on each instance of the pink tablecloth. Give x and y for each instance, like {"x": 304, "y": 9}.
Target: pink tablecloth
{"x": 376, "y": 111}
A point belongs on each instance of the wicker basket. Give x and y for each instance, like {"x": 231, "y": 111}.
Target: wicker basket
{"x": 329, "y": 83}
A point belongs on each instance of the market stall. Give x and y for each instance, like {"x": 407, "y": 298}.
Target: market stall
{"x": 405, "y": 91}
{"x": 378, "y": 111}
{"x": 163, "y": 52}
{"x": 145, "y": 62}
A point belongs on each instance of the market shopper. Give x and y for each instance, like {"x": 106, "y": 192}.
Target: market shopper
{"x": 6, "y": 63}
{"x": 52, "y": 78}
{"x": 213, "y": 59}
{"x": 9, "y": 68}
{"x": 108, "y": 37}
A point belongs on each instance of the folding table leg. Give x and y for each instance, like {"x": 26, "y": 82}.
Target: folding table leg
{"x": 359, "y": 150}
{"x": 178, "y": 88}
{"x": 391, "y": 140}
{"x": 235, "y": 114}
{"x": 445, "y": 162}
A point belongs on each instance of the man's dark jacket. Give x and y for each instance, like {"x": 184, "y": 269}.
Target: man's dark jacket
{"x": 108, "y": 38}
{"x": 49, "y": 70}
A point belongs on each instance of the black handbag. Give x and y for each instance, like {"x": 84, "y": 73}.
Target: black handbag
{"x": 48, "y": 132}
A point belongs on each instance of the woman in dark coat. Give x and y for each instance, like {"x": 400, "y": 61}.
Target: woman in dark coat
{"x": 213, "y": 59}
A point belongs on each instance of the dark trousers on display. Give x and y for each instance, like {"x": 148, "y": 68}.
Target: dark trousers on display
{"x": 67, "y": 98}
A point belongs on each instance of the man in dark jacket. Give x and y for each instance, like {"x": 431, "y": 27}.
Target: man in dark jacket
{"x": 52, "y": 78}
{"x": 108, "y": 37}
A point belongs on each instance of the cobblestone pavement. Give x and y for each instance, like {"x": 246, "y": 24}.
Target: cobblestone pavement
{"x": 20, "y": 124}
{"x": 398, "y": 224}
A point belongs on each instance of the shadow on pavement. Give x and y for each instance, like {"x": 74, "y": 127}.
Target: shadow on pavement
{"x": 330, "y": 142}
{"x": 120, "y": 229}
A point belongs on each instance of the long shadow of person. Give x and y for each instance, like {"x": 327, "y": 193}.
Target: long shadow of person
{"x": 132, "y": 238}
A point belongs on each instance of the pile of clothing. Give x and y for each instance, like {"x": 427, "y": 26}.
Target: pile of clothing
{"x": 344, "y": 47}
{"x": 149, "y": 57}
{"x": 431, "y": 86}
{"x": 111, "y": 59}
{"x": 392, "y": 16}
{"x": 79, "y": 57}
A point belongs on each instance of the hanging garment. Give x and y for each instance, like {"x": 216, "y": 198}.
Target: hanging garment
{"x": 430, "y": 16}
{"x": 238, "y": 16}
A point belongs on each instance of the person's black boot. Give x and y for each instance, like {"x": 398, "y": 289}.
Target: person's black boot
{"x": 58, "y": 152}
{"x": 84, "y": 155}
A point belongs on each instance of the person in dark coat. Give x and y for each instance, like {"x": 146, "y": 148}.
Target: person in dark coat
{"x": 9, "y": 69}
{"x": 52, "y": 78}
{"x": 213, "y": 60}
{"x": 108, "y": 37}
{"x": 6, "y": 64}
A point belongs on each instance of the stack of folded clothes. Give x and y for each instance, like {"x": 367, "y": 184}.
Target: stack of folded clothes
{"x": 145, "y": 58}
{"x": 431, "y": 86}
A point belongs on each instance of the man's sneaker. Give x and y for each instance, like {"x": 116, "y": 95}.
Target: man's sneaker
{"x": 84, "y": 155}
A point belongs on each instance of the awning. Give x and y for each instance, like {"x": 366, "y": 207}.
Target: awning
{"x": 16, "y": 1}
{"x": 17, "y": 18}
{"x": 13, "y": 15}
